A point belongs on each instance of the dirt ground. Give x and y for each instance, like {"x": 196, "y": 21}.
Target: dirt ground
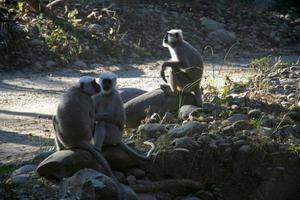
{"x": 29, "y": 98}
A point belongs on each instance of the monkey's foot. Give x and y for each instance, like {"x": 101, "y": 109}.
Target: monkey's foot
{"x": 167, "y": 90}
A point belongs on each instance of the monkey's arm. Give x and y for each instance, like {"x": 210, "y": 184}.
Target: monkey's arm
{"x": 107, "y": 118}
{"x": 174, "y": 65}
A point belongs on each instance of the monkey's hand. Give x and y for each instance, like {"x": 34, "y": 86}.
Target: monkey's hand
{"x": 104, "y": 117}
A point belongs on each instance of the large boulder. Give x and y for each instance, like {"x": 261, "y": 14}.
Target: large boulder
{"x": 210, "y": 24}
{"x": 90, "y": 184}
{"x": 222, "y": 36}
{"x": 155, "y": 101}
{"x": 129, "y": 93}
{"x": 65, "y": 163}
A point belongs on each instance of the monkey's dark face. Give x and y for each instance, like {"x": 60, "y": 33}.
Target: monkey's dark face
{"x": 172, "y": 39}
{"x": 107, "y": 84}
{"x": 90, "y": 88}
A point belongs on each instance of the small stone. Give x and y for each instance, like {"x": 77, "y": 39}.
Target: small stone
{"x": 142, "y": 196}
{"x": 255, "y": 113}
{"x": 130, "y": 180}
{"x": 241, "y": 125}
{"x": 26, "y": 169}
{"x": 96, "y": 29}
{"x": 186, "y": 110}
{"x": 18, "y": 179}
{"x": 191, "y": 198}
{"x": 245, "y": 149}
{"x": 138, "y": 173}
{"x": 235, "y": 107}
{"x": 188, "y": 129}
{"x": 148, "y": 131}
{"x": 184, "y": 142}
{"x": 237, "y": 117}
{"x": 168, "y": 118}
{"x": 228, "y": 130}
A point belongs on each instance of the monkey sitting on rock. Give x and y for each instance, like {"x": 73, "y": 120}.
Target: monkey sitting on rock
{"x": 110, "y": 117}
{"x": 74, "y": 121}
{"x": 186, "y": 66}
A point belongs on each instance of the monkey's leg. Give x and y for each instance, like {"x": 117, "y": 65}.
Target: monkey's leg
{"x": 198, "y": 96}
{"x": 58, "y": 143}
{"x": 99, "y": 136}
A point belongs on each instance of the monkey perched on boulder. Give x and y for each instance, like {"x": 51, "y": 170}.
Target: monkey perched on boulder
{"x": 110, "y": 117}
{"x": 186, "y": 66}
{"x": 74, "y": 121}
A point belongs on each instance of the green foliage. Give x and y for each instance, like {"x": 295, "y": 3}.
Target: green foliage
{"x": 294, "y": 148}
{"x": 66, "y": 46}
{"x": 261, "y": 65}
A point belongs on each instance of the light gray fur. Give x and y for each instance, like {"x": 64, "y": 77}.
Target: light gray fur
{"x": 186, "y": 66}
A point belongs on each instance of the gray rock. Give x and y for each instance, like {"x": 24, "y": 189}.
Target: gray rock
{"x": 191, "y": 198}
{"x": 185, "y": 111}
{"x": 130, "y": 180}
{"x": 188, "y": 129}
{"x": 184, "y": 142}
{"x": 24, "y": 170}
{"x": 228, "y": 130}
{"x": 148, "y": 131}
{"x": 168, "y": 118}
{"x": 65, "y": 163}
{"x": 145, "y": 196}
{"x": 210, "y": 24}
{"x": 95, "y": 29}
{"x": 212, "y": 109}
{"x": 18, "y": 179}
{"x": 36, "y": 42}
{"x": 237, "y": 117}
{"x": 41, "y": 156}
{"x": 241, "y": 125}
{"x": 222, "y": 36}
{"x": 80, "y": 64}
{"x": 129, "y": 93}
{"x": 155, "y": 101}
{"x": 138, "y": 173}
{"x": 255, "y": 113}
{"x": 90, "y": 184}
{"x": 245, "y": 149}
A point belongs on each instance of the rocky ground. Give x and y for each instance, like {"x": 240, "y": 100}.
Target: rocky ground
{"x": 246, "y": 131}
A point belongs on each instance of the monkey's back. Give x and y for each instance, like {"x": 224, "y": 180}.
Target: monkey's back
{"x": 189, "y": 53}
{"x": 74, "y": 116}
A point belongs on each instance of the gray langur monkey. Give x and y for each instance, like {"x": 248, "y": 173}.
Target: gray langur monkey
{"x": 186, "y": 65}
{"x": 110, "y": 117}
{"x": 74, "y": 120}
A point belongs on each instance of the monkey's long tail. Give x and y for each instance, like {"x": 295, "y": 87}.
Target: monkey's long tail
{"x": 99, "y": 158}
{"x": 134, "y": 154}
